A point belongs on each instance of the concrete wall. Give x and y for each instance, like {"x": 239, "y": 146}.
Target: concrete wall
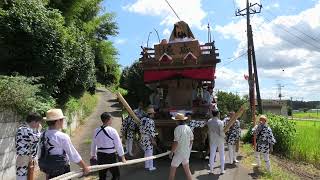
{"x": 275, "y": 107}
{"x": 74, "y": 120}
{"x": 9, "y": 121}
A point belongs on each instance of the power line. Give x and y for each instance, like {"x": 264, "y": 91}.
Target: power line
{"x": 284, "y": 29}
{"x": 232, "y": 60}
{"x": 173, "y": 10}
{"x": 296, "y": 29}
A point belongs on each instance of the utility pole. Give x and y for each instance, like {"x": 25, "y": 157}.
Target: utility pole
{"x": 253, "y": 77}
{"x": 291, "y": 107}
{"x": 280, "y": 96}
{"x": 256, "y": 74}
{"x": 251, "y": 57}
{"x": 280, "y": 86}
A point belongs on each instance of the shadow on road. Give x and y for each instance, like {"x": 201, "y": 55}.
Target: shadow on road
{"x": 256, "y": 173}
{"x": 113, "y": 100}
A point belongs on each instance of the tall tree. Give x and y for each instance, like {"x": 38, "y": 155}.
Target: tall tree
{"x": 34, "y": 41}
{"x": 83, "y": 14}
{"x": 229, "y": 102}
{"x": 132, "y": 80}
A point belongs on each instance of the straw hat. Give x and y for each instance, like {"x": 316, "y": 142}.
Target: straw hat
{"x": 150, "y": 110}
{"x": 179, "y": 117}
{"x": 263, "y": 117}
{"x": 53, "y": 115}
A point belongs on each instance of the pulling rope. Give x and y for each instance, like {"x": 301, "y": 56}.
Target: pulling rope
{"x": 79, "y": 173}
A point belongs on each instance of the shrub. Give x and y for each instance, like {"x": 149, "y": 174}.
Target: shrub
{"x": 87, "y": 103}
{"x": 283, "y": 130}
{"x": 22, "y": 94}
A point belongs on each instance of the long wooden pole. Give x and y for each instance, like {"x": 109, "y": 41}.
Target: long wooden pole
{"x": 128, "y": 108}
{"x": 234, "y": 118}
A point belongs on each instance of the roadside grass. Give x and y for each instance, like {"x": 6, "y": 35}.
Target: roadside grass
{"x": 261, "y": 173}
{"x": 307, "y": 115}
{"x": 306, "y": 146}
{"x": 88, "y": 141}
{"x": 80, "y": 108}
{"x": 114, "y": 88}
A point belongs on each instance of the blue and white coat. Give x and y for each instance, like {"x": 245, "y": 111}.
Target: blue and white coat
{"x": 265, "y": 138}
{"x": 27, "y": 141}
{"x": 147, "y": 131}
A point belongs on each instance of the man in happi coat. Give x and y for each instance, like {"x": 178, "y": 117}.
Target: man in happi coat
{"x": 27, "y": 140}
{"x": 265, "y": 140}
{"x": 128, "y": 131}
{"x": 232, "y": 138}
{"x": 148, "y": 133}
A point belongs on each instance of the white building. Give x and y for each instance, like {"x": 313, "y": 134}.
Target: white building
{"x": 275, "y": 106}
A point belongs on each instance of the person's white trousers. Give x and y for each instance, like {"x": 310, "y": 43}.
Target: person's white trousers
{"x": 148, "y": 164}
{"x": 213, "y": 150}
{"x": 21, "y": 178}
{"x": 266, "y": 159}
{"x": 232, "y": 153}
{"x": 129, "y": 143}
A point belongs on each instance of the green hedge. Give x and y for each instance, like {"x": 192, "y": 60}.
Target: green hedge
{"x": 23, "y": 95}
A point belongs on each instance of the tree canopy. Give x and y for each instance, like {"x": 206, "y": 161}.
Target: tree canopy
{"x": 132, "y": 80}
{"x": 229, "y": 102}
{"x": 63, "y": 41}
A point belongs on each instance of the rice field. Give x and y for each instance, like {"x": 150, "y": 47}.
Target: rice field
{"x": 307, "y": 115}
{"x": 306, "y": 146}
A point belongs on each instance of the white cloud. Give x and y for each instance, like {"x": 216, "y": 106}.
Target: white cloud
{"x": 231, "y": 80}
{"x": 280, "y": 54}
{"x": 242, "y": 3}
{"x": 166, "y": 32}
{"x": 161, "y": 9}
{"x": 120, "y": 41}
{"x": 272, "y": 6}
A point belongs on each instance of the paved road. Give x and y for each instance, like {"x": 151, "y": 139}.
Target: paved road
{"x": 199, "y": 168}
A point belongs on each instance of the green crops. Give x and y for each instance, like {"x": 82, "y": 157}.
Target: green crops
{"x": 306, "y": 146}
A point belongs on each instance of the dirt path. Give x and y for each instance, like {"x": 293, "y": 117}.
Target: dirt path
{"x": 81, "y": 138}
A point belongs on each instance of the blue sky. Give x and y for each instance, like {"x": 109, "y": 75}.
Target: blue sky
{"x": 286, "y": 36}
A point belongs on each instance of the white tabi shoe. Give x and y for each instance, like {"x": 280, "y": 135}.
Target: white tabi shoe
{"x": 152, "y": 168}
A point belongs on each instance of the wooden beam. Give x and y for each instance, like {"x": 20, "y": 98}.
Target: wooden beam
{"x": 128, "y": 108}
{"x": 234, "y": 118}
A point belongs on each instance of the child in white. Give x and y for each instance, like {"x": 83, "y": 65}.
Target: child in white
{"x": 181, "y": 147}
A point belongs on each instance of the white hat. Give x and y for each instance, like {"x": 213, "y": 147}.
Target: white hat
{"x": 179, "y": 117}
{"x": 53, "y": 115}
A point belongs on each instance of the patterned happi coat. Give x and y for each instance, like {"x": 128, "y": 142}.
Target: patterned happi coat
{"x": 140, "y": 113}
{"x": 265, "y": 138}
{"x": 128, "y": 128}
{"x": 234, "y": 133}
{"x": 148, "y": 131}
{"x": 196, "y": 124}
{"x": 27, "y": 141}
